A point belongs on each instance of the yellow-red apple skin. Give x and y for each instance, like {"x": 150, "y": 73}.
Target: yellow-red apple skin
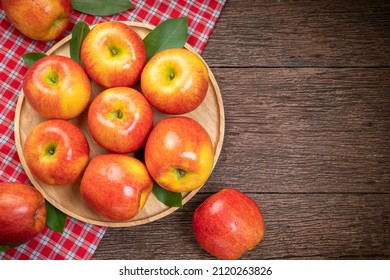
{"x": 42, "y": 20}
{"x": 113, "y": 55}
{"x": 71, "y": 156}
{"x": 116, "y": 186}
{"x": 120, "y": 119}
{"x": 66, "y": 97}
{"x": 175, "y": 81}
{"x": 228, "y": 224}
{"x": 179, "y": 144}
{"x": 22, "y": 213}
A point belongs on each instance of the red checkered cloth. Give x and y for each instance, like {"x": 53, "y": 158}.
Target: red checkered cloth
{"x": 79, "y": 240}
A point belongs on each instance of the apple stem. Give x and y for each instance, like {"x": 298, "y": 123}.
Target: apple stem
{"x": 114, "y": 51}
{"x": 52, "y": 78}
{"x": 50, "y": 150}
{"x": 119, "y": 114}
{"x": 180, "y": 172}
{"x": 171, "y": 75}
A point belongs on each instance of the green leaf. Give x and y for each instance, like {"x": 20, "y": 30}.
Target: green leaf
{"x": 171, "y": 33}
{"x": 55, "y": 219}
{"x": 169, "y": 198}
{"x": 102, "y": 7}
{"x": 32, "y": 57}
{"x": 79, "y": 31}
{"x": 8, "y": 247}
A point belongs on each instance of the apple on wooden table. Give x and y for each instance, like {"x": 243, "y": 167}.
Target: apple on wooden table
{"x": 42, "y": 20}
{"x": 22, "y": 213}
{"x": 116, "y": 186}
{"x": 179, "y": 154}
{"x": 56, "y": 152}
{"x": 228, "y": 224}
{"x": 57, "y": 87}
{"x": 175, "y": 81}
{"x": 120, "y": 119}
{"x": 113, "y": 54}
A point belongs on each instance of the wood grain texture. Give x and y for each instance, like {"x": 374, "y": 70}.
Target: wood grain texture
{"x": 305, "y": 87}
{"x": 305, "y": 130}
{"x": 67, "y": 198}
{"x": 298, "y": 226}
{"x": 301, "y": 34}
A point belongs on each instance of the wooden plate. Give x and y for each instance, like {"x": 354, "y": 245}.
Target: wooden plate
{"x": 67, "y": 198}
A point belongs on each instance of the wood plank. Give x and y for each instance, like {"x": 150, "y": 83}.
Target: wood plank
{"x": 301, "y": 34}
{"x": 297, "y": 226}
{"x": 305, "y": 130}
{"x": 307, "y": 138}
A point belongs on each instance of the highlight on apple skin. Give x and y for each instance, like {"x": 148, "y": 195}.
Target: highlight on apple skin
{"x": 57, "y": 87}
{"x": 22, "y": 213}
{"x": 228, "y": 224}
{"x": 41, "y": 20}
{"x": 120, "y": 119}
{"x": 116, "y": 186}
{"x": 56, "y": 152}
{"x": 179, "y": 154}
{"x": 113, "y": 55}
{"x": 175, "y": 81}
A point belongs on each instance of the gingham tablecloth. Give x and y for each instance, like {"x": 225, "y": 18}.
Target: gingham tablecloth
{"x": 79, "y": 240}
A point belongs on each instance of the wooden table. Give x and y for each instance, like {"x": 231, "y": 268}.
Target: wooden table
{"x": 306, "y": 92}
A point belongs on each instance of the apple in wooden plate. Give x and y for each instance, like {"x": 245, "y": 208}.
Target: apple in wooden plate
{"x": 116, "y": 186}
{"x": 56, "y": 152}
{"x": 41, "y": 20}
{"x": 113, "y": 54}
{"x": 23, "y": 213}
{"x": 228, "y": 224}
{"x": 120, "y": 119}
{"x": 57, "y": 87}
{"x": 179, "y": 154}
{"x": 175, "y": 81}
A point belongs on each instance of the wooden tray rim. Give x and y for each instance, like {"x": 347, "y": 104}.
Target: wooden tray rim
{"x": 186, "y": 196}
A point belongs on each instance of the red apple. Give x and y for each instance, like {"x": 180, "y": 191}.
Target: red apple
{"x": 113, "y": 54}
{"x": 57, "y": 87}
{"x": 22, "y": 213}
{"x": 41, "y": 20}
{"x": 228, "y": 224}
{"x": 120, "y": 119}
{"x": 179, "y": 154}
{"x": 56, "y": 152}
{"x": 116, "y": 186}
{"x": 175, "y": 81}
